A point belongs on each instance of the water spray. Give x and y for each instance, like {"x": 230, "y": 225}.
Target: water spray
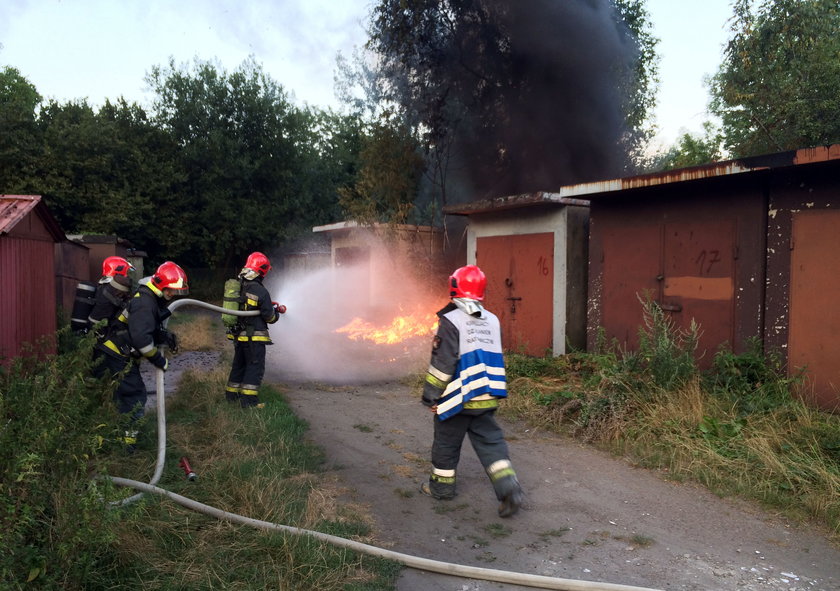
{"x": 425, "y": 564}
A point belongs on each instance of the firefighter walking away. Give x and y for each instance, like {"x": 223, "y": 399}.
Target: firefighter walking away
{"x": 464, "y": 383}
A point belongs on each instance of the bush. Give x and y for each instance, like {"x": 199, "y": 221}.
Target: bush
{"x": 754, "y": 381}
{"x": 54, "y": 527}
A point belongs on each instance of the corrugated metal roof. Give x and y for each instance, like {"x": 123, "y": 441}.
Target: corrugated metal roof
{"x": 753, "y": 164}
{"x": 514, "y": 202}
{"x": 581, "y": 193}
{"x": 13, "y": 208}
{"x": 349, "y": 225}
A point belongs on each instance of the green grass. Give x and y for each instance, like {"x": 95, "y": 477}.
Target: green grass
{"x": 59, "y": 431}
{"x": 740, "y": 428}
{"x": 255, "y": 463}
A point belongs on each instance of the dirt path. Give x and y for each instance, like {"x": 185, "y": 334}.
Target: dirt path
{"x": 588, "y": 516}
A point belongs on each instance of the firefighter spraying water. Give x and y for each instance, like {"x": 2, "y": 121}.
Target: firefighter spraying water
{"x": 249, "y": 333}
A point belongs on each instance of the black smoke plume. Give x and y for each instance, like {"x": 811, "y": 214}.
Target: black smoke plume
{"x": 521, "y": 96}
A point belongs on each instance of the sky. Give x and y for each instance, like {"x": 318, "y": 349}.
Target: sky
{"x": 98, "y": 49}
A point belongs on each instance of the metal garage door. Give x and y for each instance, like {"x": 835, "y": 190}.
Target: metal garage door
{"x": 687, "y": 267}
{"x": 814, "y": 312}
{"x": 520, "y": 278}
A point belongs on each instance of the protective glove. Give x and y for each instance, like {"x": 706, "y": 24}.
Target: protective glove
{"x": 171, "y": 341}
{"x": 427, "y": 401}
{"x": 279, "y": 308}
{"x": 159, "y": 361}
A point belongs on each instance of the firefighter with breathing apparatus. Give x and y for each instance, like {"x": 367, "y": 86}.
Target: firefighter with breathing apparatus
{"x": 249, "y": 333}
{"x": 464, "y": 382}
{"x": 105, "y": 300}
{"x": 138, "y": 332}
{"x": 113, "y": 291}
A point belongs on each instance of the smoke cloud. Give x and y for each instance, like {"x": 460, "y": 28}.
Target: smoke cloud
{"x": 556, "y": 116}
{"x": 306, "y": 345}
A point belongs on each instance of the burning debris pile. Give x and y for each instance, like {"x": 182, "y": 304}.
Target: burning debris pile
{"x": 402, "y": 339}
{"x": 399, "y": 330}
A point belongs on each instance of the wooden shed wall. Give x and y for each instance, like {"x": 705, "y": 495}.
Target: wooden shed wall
{"x": 71, "y": 267}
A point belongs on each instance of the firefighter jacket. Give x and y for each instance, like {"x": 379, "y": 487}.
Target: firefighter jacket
{"x": 255, "y": 328}
{"x": 138, "y": 330}
{"x": 467, "y": 369}
{"x": 107, "y": 304}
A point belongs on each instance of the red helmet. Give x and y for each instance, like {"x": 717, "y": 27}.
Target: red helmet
{"x": 258, "y": 263}
{"x": 171, "y": 276}
{"x": 467, "y": 282}
{"x": 116, "y": 267}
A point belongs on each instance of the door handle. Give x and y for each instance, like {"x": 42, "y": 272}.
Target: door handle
{"x": 513, "y": 304}
{"x": 671, "y": 307}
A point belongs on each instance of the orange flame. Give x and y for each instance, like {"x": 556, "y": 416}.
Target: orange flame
{"x": 400, "y": 329}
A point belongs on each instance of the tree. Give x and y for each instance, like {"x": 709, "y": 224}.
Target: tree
{"x": 331, "y": 159}
{"x": 779, "y": 85}
{"x": 245, "y": 151}
{"x": 20, "y": 141}
{"x": 107, "y": 172}
{"x": 641, "y": 83}
{"x": 692, "y": 150}
{"x": 390, "y": 169}
{"x": 517, "y": 96}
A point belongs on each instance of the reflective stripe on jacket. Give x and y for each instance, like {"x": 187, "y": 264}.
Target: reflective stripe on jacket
{"x": 255, "y": 328}
{"x": 478, "y": 379}
{"x": 143, "y": 320}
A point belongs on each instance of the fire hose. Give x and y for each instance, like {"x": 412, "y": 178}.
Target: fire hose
{"x": 161, "y": 402}
{"x": 426, "y": 564}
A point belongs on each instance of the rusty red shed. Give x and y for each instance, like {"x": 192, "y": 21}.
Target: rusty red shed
{"x": 28, "y": 234}
{"x": 747, "y": 248}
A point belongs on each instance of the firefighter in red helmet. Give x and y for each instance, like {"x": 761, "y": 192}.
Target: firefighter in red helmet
{"x": 139, "y": 333}
{"x": 112, "y": 293}
{"x": 464, "y": 383}
{"x": 250, "y": 334}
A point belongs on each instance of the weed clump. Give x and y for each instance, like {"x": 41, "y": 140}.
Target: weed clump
{"x": 739, "y": 428}
{"x": 56, "y": 427}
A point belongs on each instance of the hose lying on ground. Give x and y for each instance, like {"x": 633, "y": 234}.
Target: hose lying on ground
{"x": 161, "y": 401}
{"x": 426, "y": 564}
{"x": 446, "y": 568}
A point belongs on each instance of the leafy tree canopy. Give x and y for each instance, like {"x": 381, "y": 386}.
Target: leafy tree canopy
{"x": 251, "y": 161}
{"x": 390, "y": 169}
{"x": 222, "y": 165}
{"x": 779, "y": 85}
{"x": 692, "y": 150}
{"x": 19, "y": 141}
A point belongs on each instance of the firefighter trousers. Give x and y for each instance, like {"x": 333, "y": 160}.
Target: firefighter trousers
{"x": 130, "y": 395}
{"x": 246, "y": 372}
{"x": 488, "y": 441}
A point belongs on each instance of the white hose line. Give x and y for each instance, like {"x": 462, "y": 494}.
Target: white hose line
{"x": 161, "y": 398}
{"x": 446, "y": 568}
{"x": 188, "y": 302}
{"x": 161, "y": 457}
{"x": 435, "y": 566}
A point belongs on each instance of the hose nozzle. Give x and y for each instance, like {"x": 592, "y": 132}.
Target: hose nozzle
{"x": 185, "y": 466}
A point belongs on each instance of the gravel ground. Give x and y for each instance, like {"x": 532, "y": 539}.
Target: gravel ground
{"x": 588, "y": 515}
